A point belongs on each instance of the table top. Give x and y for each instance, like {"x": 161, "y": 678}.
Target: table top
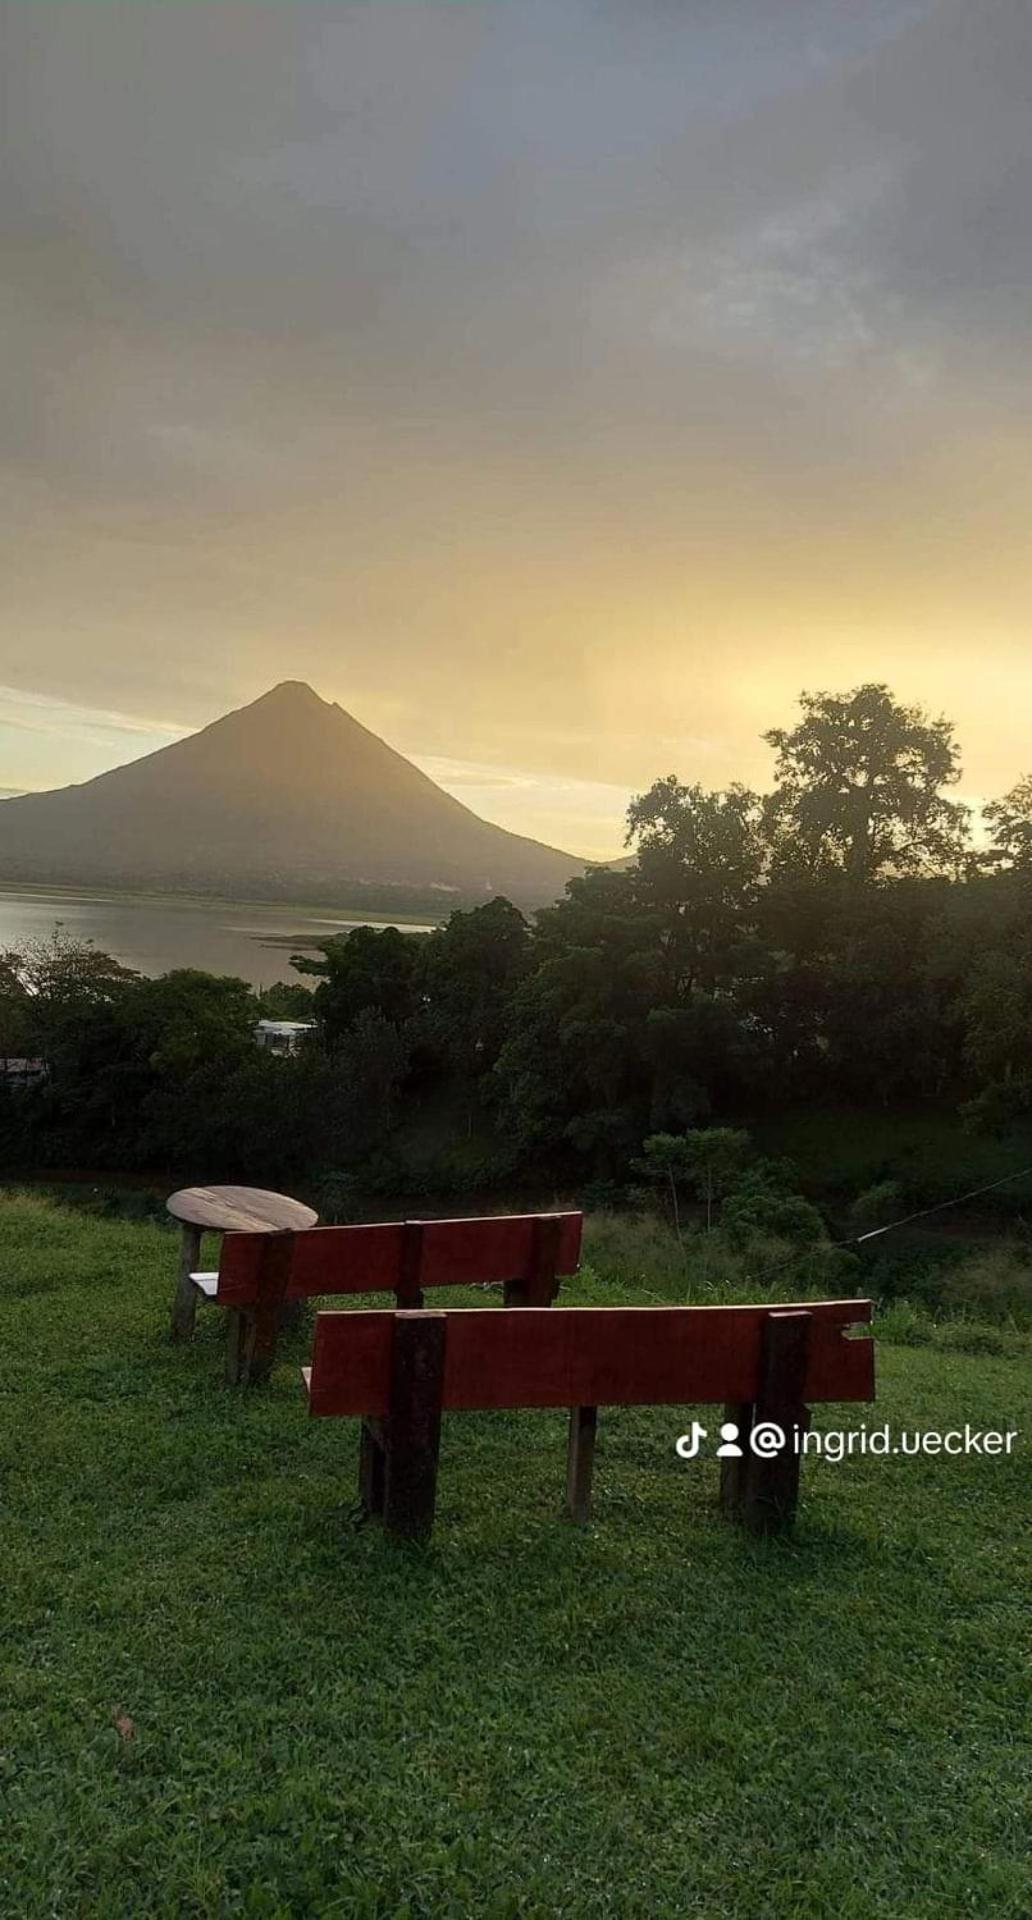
{"x": 240, "y": 1210}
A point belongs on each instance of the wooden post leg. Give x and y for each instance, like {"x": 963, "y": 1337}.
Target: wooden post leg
{"x": 252, "y": 1333}
{"x": 580, "y": 1461}
{"x": 273, "y": 1280}
{"x": 239, "y": 1345}
{"x": 292, "y": 1314}
{"x": 409, "y": 1292}
{"x": 768, "y": 1488}
{"x": 414, "y": 1424}
{"x": 538, "y": 1286}
{"x": 371, "y": 1466}
{"x": 184, "y": 1305}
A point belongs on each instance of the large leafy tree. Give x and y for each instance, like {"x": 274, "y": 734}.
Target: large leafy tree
{"x": 612, "y": 1032}
{"x": 15, "y": 1008}
{"x": 369, "y": 970}
{"x": 55, "y": 990}
{"x": 469, "y": 970}
{"x": 1010, "y": 822}
{"x": 860, "y": 789}
{"x": 706, "y": 1161}
{"x": 700, "y": 860}
{"x": 994, "y": 1009}
{"x": 572, "y": 1071}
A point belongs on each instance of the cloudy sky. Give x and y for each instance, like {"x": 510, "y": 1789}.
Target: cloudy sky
{"x": 561, "y": 385}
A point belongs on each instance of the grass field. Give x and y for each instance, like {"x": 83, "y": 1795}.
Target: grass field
{"x": 218, "y": 1698}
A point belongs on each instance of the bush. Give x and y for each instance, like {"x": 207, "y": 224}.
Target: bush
{"x": 761, "y": 1205}
{"x": 605, "y": 1196}
{"x": 971, "y": 1336}
{"x": 338, "y": 1198}
{"x": 642, "y": 1250}
{"x": 876, "y": 1206}
{"x": 993, "y": 1285}
{"x": 637, "y": 1250}
{"x": 914, "y": 1269}
{"x": 904, "y": 1325}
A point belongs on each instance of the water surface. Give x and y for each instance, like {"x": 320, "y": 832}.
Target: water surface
{"x": 154, "y": 932}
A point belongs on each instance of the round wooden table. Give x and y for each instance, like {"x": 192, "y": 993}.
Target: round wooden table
{"x": 225, "y": 1210}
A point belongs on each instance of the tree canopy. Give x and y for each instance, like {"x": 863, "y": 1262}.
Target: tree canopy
{"x": 859, "y": 789}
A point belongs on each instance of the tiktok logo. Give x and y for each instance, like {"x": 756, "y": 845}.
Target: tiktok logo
{"x": 687, "y": 1446}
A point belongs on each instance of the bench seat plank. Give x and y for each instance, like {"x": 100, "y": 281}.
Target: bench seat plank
{"x": 590, "y": 1356}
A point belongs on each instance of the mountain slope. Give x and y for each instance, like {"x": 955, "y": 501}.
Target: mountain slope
{"x": 288, "y": 798}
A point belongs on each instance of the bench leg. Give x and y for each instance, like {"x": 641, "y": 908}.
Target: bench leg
{"x": 248, "y": 1358}
{"x": 761, "y": 1492}
{"x": 253, "y": 1332}
{"x": 184, "y": 1305}
{"x": 414, "y": 1424}
{"x": 580, "y": 1461}
{"x": 239, "y": 1345}
{"x": 539, "y": 1286}
{"x": 372, "y": 1466}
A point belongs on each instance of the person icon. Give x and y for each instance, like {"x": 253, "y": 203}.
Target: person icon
{"x": 729, "y": 1450}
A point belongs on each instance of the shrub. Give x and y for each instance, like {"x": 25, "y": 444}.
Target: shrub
{"x": 643, "y": 1250}
{"x": 876, "y": 1206}
{"x": 639, "y": 1250}
{"x": 913, "y": 1269}
{"x": 993, "y": 1285}
{"x": 604, "y": 1196}
{"x": 971, "y": 1336}
{"x": 338, "y": 1198}
{"x": 761, "y": 1206}
{"x": 904, "y": 1325}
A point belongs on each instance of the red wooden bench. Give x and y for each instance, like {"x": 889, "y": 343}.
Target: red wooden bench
{"x": 526, "y": 1253}
{"x": 400, "y": 1370}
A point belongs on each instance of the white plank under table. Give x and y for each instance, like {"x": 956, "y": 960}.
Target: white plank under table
{"x": 224, "y": 1210}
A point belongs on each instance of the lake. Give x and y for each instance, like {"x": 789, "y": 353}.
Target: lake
{"x": 154, "y": 933}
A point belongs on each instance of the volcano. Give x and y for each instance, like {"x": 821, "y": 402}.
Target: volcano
{"x": 289, "y": 798}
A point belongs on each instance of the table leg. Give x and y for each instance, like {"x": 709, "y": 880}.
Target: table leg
{"x": 184, "y": 1306}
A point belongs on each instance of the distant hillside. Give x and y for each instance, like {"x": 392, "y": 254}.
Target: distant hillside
{"x": 290, "y": 799}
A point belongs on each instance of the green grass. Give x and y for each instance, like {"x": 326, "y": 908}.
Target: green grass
{"x": 651, "y": 1716}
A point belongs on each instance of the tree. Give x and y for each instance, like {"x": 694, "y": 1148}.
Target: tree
{"x": 374, "y": 1058}
{"x": 706, "y": 1160}
{"x": 700, "y": 859}
{"x": 996, "y": 1011}
{"x": 572, "y": 1071}
{"x": 156, "y": 1075}
{"x": 1011, "y": 823}
{"x": 285, "y": 1000}
{"x": 52, "y": 988}
{"x": 370, "y": 970}
{"x": 15, "y": 1008}
{"x": 859, "y": 789}
{"x": 468, "y": 972}
{"x": 883, "y": 1005}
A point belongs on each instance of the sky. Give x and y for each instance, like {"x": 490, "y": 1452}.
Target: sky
{"x": 562, "y": 386}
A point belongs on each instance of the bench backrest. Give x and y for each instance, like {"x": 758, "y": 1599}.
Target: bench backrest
{"x": 589, "y": 1356}
{"x": 404, "y": 1257}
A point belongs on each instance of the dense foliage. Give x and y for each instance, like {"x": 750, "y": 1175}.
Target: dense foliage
{"x": 842, "y": 939}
